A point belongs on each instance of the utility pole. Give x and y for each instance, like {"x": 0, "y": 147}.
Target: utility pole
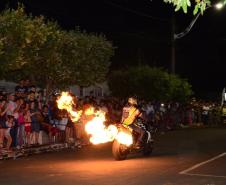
{"x": 173, "y": 44}
{"x": 175, "y": 36}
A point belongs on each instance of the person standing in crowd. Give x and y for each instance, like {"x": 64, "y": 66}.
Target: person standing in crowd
{"x": 9, "y": 125}
{"x": 224, "y": 113}
{"x": 12, "y": 110}
{"x": 27, "y": 86}
{"x": 31, "y": 97}
{"x": 3, "y": 111}
{"x": 21, "y": 126}
{"x": 27, "y": 127}
{"x": 69, "y": 131}
{"x": 46, "y": 124}
{"x": 1, "y": 96}
{"x": 150, "y": 111}
{"x": 20, "y": 90}
{"x": 35, "y": 122}
{"x": 11, "y": 105}
{"x": 205, "y": 113}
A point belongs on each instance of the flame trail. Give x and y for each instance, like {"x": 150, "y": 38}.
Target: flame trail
{"x": 66, "y": 102}
{"x": 98, "y": 131}
{"x": 96, "y": 128}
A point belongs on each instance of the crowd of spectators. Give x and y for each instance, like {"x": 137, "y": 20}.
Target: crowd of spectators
{"x": 29, "y": 118}
{"x": 20, "y": 115}
{"x": 167, "y": 116}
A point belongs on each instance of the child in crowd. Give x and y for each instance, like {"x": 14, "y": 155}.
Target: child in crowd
{"x": 21, "y": 127}
{"x": 35, "y": 122}
{"x": 9, "y": 124}
{"x": 27, "y": 127}
{"x": 63, "y": 121}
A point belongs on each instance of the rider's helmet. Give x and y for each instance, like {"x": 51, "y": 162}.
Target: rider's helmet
{"x": 132, "y": 101}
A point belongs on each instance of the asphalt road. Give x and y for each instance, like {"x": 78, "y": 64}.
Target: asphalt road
{"x": 194, "y": 152}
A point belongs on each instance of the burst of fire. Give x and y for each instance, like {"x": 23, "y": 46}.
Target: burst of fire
{"x": 90, "y": 111}
{"x": 66, "y": 102}
{"x": 98, "y": 132}
{"x": 124, "y": 138}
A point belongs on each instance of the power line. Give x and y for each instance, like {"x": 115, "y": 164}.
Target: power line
{"x": 135, "y": 11}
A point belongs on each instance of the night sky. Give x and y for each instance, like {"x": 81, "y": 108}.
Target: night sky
{"x": 141, "y": 31}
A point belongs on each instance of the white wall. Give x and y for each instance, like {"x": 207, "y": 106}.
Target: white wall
{"x": 104, "y": 89}
{"x": 9, "y": 86}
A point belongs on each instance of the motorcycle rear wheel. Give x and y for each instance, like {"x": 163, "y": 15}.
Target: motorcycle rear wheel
{"x": 148, "y": 148}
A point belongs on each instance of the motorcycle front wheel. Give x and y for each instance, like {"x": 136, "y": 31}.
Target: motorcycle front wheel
{"x": 119, "y": 151}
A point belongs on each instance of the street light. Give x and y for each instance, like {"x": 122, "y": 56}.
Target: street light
{"x": 219, "y": 5}
{"x": 176, "y": 36}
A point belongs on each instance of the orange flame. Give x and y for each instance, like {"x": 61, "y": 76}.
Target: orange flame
{"x": 102, "y": 134}
{"x": 124, "y": 138}
{"x": 90, "y": 111}
{"x": 98, "y": 132}
{"x": 66, "y": 102}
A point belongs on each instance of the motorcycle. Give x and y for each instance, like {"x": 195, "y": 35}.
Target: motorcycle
{"x": 120, "y": 150}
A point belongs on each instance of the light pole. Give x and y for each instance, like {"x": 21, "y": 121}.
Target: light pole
{"x": 176, "y": 36}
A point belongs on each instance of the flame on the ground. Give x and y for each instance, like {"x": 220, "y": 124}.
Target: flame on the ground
{"x": 96, "y": 128}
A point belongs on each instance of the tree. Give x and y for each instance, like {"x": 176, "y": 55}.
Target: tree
{"x": 149, "y": 84}
{"x": 40, "y": 49}
{"x": 199, "y": 5}
{"x": 91, "y": 55}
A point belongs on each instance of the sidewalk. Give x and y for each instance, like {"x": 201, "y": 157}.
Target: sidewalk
{"x": 32, "y": 150}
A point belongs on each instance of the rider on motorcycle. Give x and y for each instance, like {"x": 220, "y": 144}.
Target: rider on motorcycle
{"x": 129, "y": 115}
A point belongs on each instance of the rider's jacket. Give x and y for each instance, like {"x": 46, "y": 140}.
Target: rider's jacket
{"x": 129, "y": 114}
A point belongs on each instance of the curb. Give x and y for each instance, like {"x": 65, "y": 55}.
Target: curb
{"x": 32, "y": 150}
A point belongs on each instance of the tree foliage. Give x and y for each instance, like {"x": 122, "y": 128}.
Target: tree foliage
{"x": 198, "y": 5}
{"x": 149, "y": 83}
{"x": 40, "y": 49}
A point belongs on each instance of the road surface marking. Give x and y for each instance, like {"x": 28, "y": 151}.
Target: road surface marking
{"x": 204, "y": 175}
{"x": 185, "y": 172}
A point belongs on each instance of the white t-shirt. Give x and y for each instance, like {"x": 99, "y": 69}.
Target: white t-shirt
{"x": 205, "y": 110}
{"x": 150, "y": 109}
{"x": 11, "y": 106}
